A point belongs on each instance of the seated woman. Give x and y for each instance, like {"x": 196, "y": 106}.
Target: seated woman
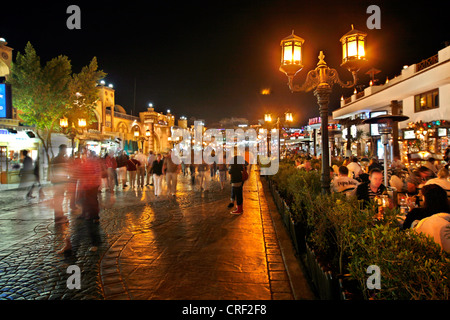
{"x": 435, "y": 201}
{"x": 438, "y": 227}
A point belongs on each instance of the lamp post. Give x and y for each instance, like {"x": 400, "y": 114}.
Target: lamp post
{"x": 288, "y": 117}
{"x": 321, "y": 80}
{"x": 72, "y": 131}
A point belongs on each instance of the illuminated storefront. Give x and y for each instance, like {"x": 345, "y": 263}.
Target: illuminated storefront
{"x": 12, "y": 144}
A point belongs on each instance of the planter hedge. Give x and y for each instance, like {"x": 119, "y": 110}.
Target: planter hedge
{"x": 345, "y": 240}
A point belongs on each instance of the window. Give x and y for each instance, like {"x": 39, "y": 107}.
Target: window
{"x": 426, "y": 101}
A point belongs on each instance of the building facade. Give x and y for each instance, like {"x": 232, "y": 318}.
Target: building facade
{"x": 421, "y": 92}
{"x": 112, "y": 129}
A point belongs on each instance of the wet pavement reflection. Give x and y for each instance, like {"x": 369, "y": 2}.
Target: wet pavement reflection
{"x": 179, "y": 247}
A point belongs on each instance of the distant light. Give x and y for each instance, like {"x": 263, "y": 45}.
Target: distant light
{"x": 150, "y": 105}
{"x": 110, "y": 85}
{"x": 265, "y": 91}
{"x": 102, "y": 82}
{"x": 168, "y": 110}
{"x": 405, "y": 67}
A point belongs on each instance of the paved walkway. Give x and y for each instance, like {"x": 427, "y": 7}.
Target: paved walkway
{"x": 183, "y": 248}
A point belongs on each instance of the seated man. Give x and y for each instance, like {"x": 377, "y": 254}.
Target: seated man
{"x": 369, "y": 190}
{"x": 343, "y": 183}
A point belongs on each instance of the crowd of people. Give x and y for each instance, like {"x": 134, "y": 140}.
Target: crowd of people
{"x": 425, "y": 190}
{"x": 80, "y": 179}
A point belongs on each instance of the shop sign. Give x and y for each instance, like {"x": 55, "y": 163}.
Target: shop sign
{"x": 5, "y": 101}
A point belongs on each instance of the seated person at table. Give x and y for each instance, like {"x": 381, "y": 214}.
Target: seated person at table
{"x": 435, "y": 201}
{"x": 343, "y": 183}
{"x": 441, "y": 180}
{"x": 354, "y": 168}
{"x": 438, "y": 227}
{"x": 369, "y": 190}
{"x": 416, "y": 180}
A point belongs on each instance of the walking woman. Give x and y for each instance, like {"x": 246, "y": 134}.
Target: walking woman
{"x": 236, "y": 170}
{"x": 157, "y": 171}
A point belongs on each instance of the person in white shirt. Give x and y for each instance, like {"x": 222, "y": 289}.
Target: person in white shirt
{"x": 354, "y": 168}
{"x": 437, "y": 226}
{"x": 141, "y": 168}
{"x": 441, "y": 180}
{"x": 343, "y": 183}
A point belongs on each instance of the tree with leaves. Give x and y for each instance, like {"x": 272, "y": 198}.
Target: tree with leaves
{"x": 45, "y": 94}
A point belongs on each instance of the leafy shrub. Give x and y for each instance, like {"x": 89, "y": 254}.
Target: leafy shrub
{"x": 347, "y": 239}
{"x": 412, "y": 265}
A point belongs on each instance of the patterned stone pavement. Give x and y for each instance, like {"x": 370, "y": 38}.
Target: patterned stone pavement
{"x": 186, "y": 247}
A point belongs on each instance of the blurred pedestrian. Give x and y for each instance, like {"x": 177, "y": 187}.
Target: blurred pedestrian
{"x": 121, "y": 160}
{"x": 111, "y": 170}
{"x": 72, "y": 185}
{"x": 202, "y": 170}
{"x": 222, "y": 173}
{"x": 151, "y": 158}
{"x": 89, "y": 181}
{"x": 132, "y": 165}
{"x": 59, "y": 178}
{"x": 213, "y": 169}
{"x": 157, "y": 171}
{"x": 192, "y": 173}
{"x": 89, "y": 173}
{"x": 140, "y": 173}
{"x": 171, "y": 171}
{"x": 27, "y": 176}
{"x": 236, "y": 171}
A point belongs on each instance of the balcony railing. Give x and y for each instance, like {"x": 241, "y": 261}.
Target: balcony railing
{"x": 427, "y": 63}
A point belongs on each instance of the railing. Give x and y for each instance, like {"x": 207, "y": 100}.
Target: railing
{"x": 125, "y": 116}
{"x": 427, "y": 63}
{"x": 360, "y": 95}
{"x": 122, "y": 115}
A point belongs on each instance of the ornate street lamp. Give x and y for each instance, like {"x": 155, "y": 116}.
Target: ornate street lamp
{"x": 82, "y": 123}
{"x": 321, "y": 80}
{"x": 291, "y": 54}
{"x": 72, "y": 131}
{"x": 353, "y": 49}
{"x": 64, "y": 123}
{"x": 288, "y": 117}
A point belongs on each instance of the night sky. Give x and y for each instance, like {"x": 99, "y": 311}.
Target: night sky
{"x": 210, "y": 59}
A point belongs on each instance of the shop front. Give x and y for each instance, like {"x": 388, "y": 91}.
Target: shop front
{"x": 100, "y": 144}
{"x": 12, "y": 144}
{"x": 422, "y": 140}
